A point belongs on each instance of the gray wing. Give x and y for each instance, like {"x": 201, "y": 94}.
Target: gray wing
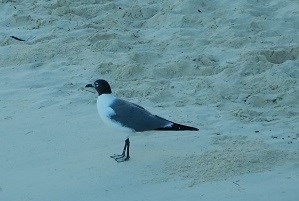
{"x": 136, "y": 117}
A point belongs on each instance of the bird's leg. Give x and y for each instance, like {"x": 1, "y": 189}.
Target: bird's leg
{"x": 121, "y": 157}
{"x": 127, "y": 147}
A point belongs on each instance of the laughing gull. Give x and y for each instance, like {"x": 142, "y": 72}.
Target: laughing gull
{"x": 129, "y": 117}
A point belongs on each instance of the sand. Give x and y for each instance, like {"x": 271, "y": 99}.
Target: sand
{"x": 228, "y": 68}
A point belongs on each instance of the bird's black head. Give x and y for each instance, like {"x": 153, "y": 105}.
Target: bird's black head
{"x": 102, "y": 87}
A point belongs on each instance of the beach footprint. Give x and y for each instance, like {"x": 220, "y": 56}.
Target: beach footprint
{"x": 281, "y": 55}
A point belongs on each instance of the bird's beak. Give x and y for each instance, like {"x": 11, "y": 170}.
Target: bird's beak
{"x": 89, "y": 85}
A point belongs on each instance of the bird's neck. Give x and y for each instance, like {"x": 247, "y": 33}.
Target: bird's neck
{"x": 105, "y": 100}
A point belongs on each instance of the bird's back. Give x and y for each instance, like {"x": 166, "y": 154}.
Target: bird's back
{"x": 136, "y": 117}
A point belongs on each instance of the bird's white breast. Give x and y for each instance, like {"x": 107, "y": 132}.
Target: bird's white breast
{"x": 105, "y": 111}
{"x": 103, "y": 104}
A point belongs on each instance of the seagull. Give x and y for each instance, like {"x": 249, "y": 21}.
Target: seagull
{"x": 129, "y": 117}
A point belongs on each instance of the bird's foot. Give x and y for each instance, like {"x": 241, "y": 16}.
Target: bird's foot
{"x": 123, "y": 159}
{"x": 116, "y": 156}
{"x": 120, "y": 158}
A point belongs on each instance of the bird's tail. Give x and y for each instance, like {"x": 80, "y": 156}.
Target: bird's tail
{"x": 178, "y": 127}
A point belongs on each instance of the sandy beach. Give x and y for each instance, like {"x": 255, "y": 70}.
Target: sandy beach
{"x": 227, "y": 68}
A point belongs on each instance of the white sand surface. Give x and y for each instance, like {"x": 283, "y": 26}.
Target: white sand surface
{"x": 228, "y": 68}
